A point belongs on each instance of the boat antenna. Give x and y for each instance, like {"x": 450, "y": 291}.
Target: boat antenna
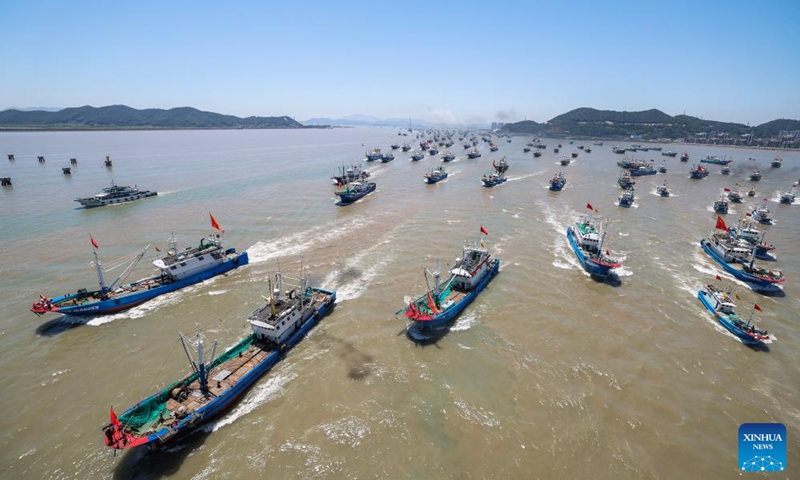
{"x": 99, "y": 267}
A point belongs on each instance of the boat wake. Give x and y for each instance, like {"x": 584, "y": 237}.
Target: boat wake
{"x": 299, "y": 242}
{"x": 262, "y": 393}
{"x": 358, "y": 272}
{"x": 521, "y": 177}
{"x": 465, "y": 322}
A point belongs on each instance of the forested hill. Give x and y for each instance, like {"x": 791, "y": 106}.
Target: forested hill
{"x": 648, "y": 123}
{"x": 121, "y": 116}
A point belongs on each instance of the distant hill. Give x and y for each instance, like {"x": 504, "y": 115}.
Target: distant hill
{"x": 121, "y": 116}
{"x": 650, "y": 124}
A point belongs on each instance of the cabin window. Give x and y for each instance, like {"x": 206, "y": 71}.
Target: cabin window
{"x": 183, "y": 264}
{"x": 200, "y": 257}
{"x": 173, "y": 267}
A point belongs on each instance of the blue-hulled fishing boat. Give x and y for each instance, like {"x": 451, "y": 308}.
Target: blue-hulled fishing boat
{"x": 354, "y": 191}
{"x": 626, "y": 199}
{"x": 663, "y": 190}
{"x": 720, "y": 304}
{"x": 417, "y": 156}
{"x": 586, "y": 238}
{"x": 726, "y": 254}
{"x": 291, "y": 311}
{"x": 558, "y": 181}
{"x": 445, "y": 300}
{"x": 178, "y": 269}
{"x": 474, "y": 153}
{"x": 713, "y": 159}
{"x": 698, "y": 172}
{"x": 493, "y": 179}
{"x": 435, "y": 175}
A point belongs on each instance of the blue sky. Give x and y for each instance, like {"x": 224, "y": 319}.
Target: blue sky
{"x": 444, "y": 61}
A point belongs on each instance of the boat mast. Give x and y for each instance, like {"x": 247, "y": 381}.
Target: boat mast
{"x": 100, "y": 278}
{"x": 436, "y": 274}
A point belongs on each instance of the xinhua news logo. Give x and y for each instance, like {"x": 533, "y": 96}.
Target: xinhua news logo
{"x": 762, "y": 447}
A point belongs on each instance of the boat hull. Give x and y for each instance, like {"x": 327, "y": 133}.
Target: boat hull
{"x": 587, "y": 263}
{"x": 120, "y": 303}
{"x": 222, "y": 402}
{"x": 347, "y": 198}
{"x": 456, "y": 309}
{"x": 431, "y": 179}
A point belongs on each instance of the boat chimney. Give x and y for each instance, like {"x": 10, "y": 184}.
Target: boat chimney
{"x": 201, "y": 363}
{"x": 5, "y": 181}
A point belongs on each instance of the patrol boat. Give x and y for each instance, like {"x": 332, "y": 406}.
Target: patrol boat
{"x": 115, "y": 194}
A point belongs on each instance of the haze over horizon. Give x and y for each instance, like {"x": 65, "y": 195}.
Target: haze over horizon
{"x": 464, "y": 62}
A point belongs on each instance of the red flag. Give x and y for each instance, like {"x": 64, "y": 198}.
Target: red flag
{"x": 114, "y": 420}
{"x": 721, "y": 224}
{"x": 214, "y": 223}
{"x": 719, "y": 278}
{"x": 727, "y": 189}
{"x": 748, "y": 214}
{"x": 589, "y": 206}
{"x": 608, "y": 253}
{"x": 757, "y": 307}
{"x": 94, "y": 242}
{"x": 483, "y": 231}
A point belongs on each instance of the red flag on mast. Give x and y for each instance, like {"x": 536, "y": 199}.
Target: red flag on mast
{"x": 719, "y": 278}
{"x": 94, "y": 242}
{"x": 755, "y": 306}
{"x": 483, "y": 231}
{"x": 589, "y": 206}
{"x": 214, "y": 223}
{"x": 721, "y": 224}
{"x": 114, "y": 420}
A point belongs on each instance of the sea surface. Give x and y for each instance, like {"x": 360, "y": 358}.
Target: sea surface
{"x": 549, "y": 374}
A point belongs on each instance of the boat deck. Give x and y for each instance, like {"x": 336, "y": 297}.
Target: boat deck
{"x": 222, "y": 378}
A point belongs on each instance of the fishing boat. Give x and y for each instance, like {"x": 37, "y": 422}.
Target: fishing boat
{"x": 387, "y": 157}
{"x": 215, "y": 383}
{"x": 494, "y": 148}
{"x": 720, "y": 304}
{"x": 566, "y": 161}
{"x": 406, "y": 147}
{"x": 467, "y": 146}
{"x": 776, "y": 163}
{"x": 587, "y": 149}
{"x": 448, "y": 156}
{"x": 747, "y": 231}
{"x": 526, "y": 149}
{"x": 178, "y": 269}
{"x": 617, "y": 149}
{"x": 626, "y": 199}
{"x": 787, "y": 197}
{"x": 663, "y": 167}
{"x": 417, "y": 156}
{"x": 761, "y": 214}
{"x": 586, "y": 238}
{"x": 598, "y": 144}
{"x": 493, "y": 179}
{"x": 558, "y": 181}
{"x": 734, "y": 195}
{"x": 374, "y": 155}
{"x": 474, "y": 153}
{"x": 349, "y": 174}
{"x": 354, "y": 191}
{"x": 669, "y": 153}
{"x": 644, "y": 169}
{"x": 555, "y": 150}
{"x": 721, "y": 205}
{"x": 433, "y": 151}
{"x": 755, "y": 176}
{"x": 714, "y": 159}
{"x": 500, "y": 167}
{"x": 574, "y": 154}
{"x": 436, "y": 174}
{"x": 662, "y": 190}
{"x": 625, "y": 180}
{"x": 445, "y": 300}
{"x": 395, "y": 146}
{"x": 698, "y": 172}
{"x": 115, "y": 194}
{"x": 718, "y": 248}
{"x": 725, "y": 170}
{"x": 752, "y": 191}
{"x": 684, "y": 157}
{"x": 537, "y": 154}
